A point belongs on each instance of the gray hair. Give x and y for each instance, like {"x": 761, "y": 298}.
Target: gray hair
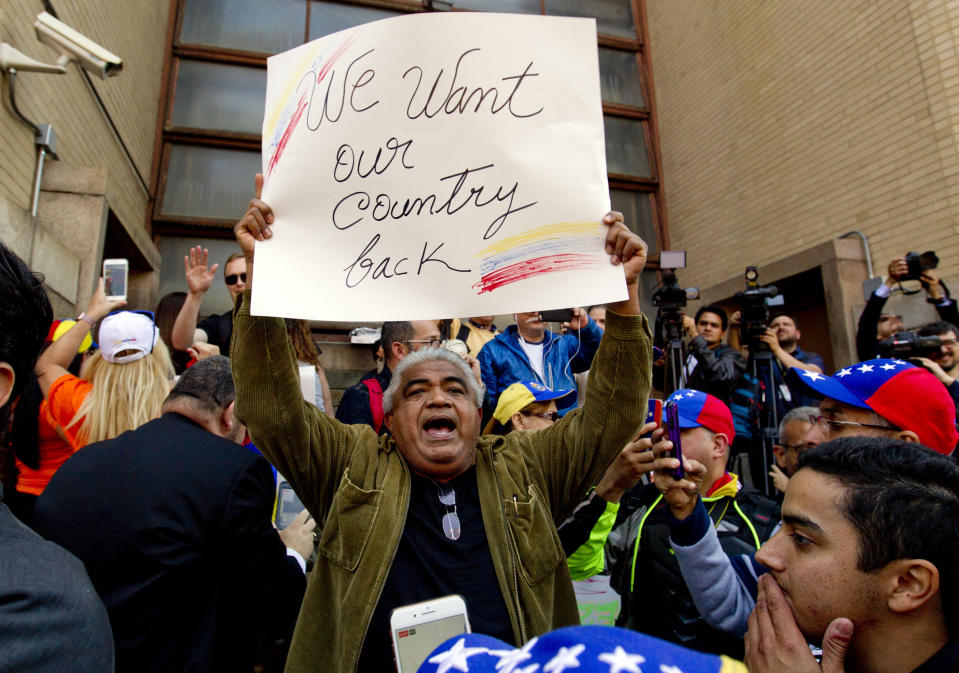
{"x": 432, "y": 355}
{"x": 797, "y": 414}
{"x": 208, "y": 385}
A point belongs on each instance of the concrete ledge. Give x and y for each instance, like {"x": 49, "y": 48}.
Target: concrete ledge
{"x": 16, "y": 227}
{"x": 60, "y": 267}
{"x": 61, "y": 177}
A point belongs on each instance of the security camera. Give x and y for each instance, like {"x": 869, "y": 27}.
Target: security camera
{"x": 73, "y": 46}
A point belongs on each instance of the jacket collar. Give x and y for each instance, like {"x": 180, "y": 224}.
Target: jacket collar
{"x": 727, "y": 486}
{"x": 513, "y": 337}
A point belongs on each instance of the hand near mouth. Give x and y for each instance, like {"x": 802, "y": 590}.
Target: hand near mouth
{"x": 774, "y": 643}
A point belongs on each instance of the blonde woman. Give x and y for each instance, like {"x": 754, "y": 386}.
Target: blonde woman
{"x": 120, "y": 387}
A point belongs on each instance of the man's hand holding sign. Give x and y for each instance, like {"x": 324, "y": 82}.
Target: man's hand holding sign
{"x": 437, "y": 509}
{"x": 622, "y": 245}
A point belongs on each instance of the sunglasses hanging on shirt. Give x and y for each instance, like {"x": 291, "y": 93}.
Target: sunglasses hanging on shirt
{"x": 451, "y": 521}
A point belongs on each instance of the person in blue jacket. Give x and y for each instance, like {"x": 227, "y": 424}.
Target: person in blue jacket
{"x": 527, "y": 351}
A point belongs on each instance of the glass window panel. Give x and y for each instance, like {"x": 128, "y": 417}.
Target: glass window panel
{"x": 248, "y": 25}
{"x": 613, "y": 17}
{"x": 626, "y": 147}
{"x": 209, "y": 182}
{"x": 329, "y": 17}
{"x": 619, "y": 77}
{"x": 637, "y": 211}
{"x": 510, "y": 6}
{"x": 219, "y": 97}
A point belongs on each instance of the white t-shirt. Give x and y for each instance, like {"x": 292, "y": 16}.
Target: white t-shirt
{"x": 535, "y": 354}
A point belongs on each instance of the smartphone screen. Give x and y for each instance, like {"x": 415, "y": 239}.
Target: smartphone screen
{"x": 288, "y": 505}
{"x": 115, "y": 279}
{"x": 672, "y": 434}
{"x": 414, "y": 643}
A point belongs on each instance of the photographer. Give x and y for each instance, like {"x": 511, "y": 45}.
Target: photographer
{"x": 712, "y": 366}
{"x": 945, "y": 364}
{"x": 874, "y": 325}
{"x": 782, "y": 339}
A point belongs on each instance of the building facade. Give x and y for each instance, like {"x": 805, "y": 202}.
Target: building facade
{"x": 95, "y": 201}
{"x": 786, "y": 125}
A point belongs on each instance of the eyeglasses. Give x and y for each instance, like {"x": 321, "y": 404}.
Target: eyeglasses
{"x": 451, "y": 521}
{"x": 551, "y": 416}
{"x": 434, "y": 343}
{"x": 830, "y": 425}
{"x": 797, "y": 447}
{"x": 231, "y": 279}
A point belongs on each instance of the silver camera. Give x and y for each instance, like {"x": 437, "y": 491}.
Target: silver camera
{"x": 74, "y": 46}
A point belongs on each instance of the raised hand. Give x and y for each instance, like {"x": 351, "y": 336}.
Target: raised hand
{"x": 255, "y": 224}
{"x": 198, "y": 276}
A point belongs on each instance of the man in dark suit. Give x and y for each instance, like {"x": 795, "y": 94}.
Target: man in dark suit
{"x": 51, "y": 619}
{"x": 173, "y": 523}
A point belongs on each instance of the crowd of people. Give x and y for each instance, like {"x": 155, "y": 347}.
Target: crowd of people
{"x": 139, "y": 531}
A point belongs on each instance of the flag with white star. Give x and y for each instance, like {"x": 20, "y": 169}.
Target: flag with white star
{"x": 583, "y": 649}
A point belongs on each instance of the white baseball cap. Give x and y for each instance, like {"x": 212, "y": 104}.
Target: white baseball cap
{"x": 127, "y": 331}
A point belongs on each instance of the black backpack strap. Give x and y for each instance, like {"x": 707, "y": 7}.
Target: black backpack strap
{"x": 463, "y": 333}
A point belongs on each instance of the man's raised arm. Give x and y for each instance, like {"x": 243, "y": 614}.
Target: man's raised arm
{"x": 309, "y": 448}
{"x": 576, "y": 451}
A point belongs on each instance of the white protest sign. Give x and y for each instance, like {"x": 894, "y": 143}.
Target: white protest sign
{"x": 436, "y": 165}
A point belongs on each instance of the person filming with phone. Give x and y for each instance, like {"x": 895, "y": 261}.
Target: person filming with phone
{"x": 435, "y": 509}
{"x": 527, "y": 351}
{"x": 656, "y": 600}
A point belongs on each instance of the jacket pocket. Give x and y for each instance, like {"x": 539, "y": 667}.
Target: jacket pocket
{"x": 535, "y": 537}
{"x": 349, "y": 524}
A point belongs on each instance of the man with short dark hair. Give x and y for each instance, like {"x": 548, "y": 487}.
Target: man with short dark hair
{"x": 782, "y": 337}
{"x": 712, "y": 366}
{"x": 363, "y": 401}
{"x": 173, "y": 522}
{"x": 436, "y": 509}
{"x": 945, "y": 364}
{"x": 51, "y": 619}
{"x": 875, "y": 325}
{"x": 598, "y": 314}
{"x": 214, "y": 329}
{"x": 876, "y": 398}
{"x": 864, "y": 564}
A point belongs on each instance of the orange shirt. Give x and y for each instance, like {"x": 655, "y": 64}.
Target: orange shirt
{"x": 54, "y": 443}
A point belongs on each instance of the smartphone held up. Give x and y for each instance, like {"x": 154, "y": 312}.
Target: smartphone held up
{"x": 672, "y": 434}
{"x": 115, "y": 276}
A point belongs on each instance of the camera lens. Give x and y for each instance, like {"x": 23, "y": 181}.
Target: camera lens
{"x": 928, "y": 260}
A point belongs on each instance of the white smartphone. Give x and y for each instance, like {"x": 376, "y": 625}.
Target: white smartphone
{"x": 419, "y": 628}
{"x": 115, "y": 272}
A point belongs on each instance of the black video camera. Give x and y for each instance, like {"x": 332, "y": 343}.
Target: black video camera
{"x": 754, "y": 303}
{"x": 671, "y": 299}
{"x": 905, "y": 345}
{"x": 669, "y": 295}
{"x": 918, "y": 263}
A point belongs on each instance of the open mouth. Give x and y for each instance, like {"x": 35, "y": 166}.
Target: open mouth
{"x": 439, "y": 427}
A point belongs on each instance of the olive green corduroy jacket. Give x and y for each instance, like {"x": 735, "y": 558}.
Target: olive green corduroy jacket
{"x": 356, "y": 485}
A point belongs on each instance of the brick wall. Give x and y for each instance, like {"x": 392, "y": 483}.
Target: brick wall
{"x": 786, "y": 124}
{"x": 135, "y": 30}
